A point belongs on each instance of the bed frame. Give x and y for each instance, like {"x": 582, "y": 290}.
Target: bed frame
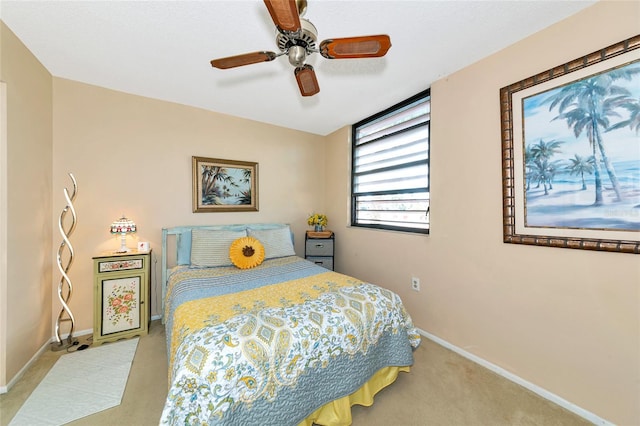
{"x": 177, "y": 236}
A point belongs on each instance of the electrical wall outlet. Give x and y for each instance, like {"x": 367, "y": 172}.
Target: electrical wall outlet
{"x": 415, "y": 283}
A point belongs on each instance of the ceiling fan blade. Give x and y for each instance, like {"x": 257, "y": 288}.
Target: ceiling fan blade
{"x": 284, "y": 14}
{"x": 307, "y": 82}
{"x": 245, "y": 59}
{"x": 356, "y": 47}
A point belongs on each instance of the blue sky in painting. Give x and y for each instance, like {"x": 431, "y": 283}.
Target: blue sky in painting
{"x": 622, "y": 144}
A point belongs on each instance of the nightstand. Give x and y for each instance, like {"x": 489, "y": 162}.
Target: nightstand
{"x": 121, "y": 295}
{"x": 319, "y": 248}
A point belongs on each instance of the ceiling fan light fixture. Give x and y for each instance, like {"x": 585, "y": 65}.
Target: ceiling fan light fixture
{"x": 297, "y": 55}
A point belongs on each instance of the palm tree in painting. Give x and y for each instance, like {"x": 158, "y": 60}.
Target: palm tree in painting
{"x": 553, "y": 167}
{"x": 587, "y": 105}
{"x": 211, "y": 177}
{"x": 528, "y": 159}
{"x": 536, "y": 157}
{"x": 246, "y": 176}
{"x": 633, "y": 106}
{"x": 579, "y": 165}
{"x": 245, "y": 197}
{"x": 544, "y": 149}
{"x": 540, "y": 173}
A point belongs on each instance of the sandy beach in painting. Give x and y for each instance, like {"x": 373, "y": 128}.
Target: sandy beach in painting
{"x": 568, "y": 206}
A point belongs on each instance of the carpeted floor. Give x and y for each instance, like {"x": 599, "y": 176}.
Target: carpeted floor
{"x": 94, "y": 379}
{"x": 443, "y": 388}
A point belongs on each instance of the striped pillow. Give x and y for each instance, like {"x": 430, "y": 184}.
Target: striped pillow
{"x": 211, "y": 247}
{"x": 277, "y": 242}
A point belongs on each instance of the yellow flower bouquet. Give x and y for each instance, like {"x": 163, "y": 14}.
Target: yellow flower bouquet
{"x": 317, "y": 220}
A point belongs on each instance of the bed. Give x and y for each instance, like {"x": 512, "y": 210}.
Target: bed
{"x": 279, "y": 342}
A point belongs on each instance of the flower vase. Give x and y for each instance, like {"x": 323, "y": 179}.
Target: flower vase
{"x": 318, "y": 228}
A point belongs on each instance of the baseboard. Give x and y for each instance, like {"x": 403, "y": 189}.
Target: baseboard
{"x": 18, "y": 376}
{"x": 46, "y": 346}
{"x": 550, "y": 396}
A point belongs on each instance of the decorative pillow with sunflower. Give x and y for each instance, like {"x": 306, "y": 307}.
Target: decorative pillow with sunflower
{"x": 246, "y": 252}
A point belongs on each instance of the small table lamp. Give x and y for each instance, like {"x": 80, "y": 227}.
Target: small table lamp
{"x": 123, "y": 226}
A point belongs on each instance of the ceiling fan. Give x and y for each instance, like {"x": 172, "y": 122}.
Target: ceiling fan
{"x": 296, "y": 37}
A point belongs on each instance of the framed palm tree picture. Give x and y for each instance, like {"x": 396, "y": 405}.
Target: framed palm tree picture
{"x": 224, "y": 185}
{"x": 571, "y": 153}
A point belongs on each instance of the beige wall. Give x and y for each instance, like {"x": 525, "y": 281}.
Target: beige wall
{"x": 132, "y": 155}
{"x": 28, "y": 174}
{"x": 565, "y": 320}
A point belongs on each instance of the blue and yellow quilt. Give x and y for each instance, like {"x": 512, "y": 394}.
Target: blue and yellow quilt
{"x": 270, "y": 345}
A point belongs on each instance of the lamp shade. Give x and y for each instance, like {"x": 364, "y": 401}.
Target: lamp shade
{"x": 123, "y": 226}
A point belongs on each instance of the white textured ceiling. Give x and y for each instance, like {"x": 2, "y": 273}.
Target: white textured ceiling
{"x": 162, "y": 49}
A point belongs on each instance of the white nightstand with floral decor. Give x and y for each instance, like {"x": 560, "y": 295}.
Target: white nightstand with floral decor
{"x": 121, "y": 295}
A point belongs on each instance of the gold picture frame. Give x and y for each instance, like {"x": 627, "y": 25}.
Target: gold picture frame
{"x": 558, "y": 188}
{"x": 224, "y": 185}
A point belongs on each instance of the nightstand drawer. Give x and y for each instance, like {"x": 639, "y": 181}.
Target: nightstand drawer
{"x": 325, "y": 262}
{"x": 319, "y": 247}
{"x": 320, "y": 250}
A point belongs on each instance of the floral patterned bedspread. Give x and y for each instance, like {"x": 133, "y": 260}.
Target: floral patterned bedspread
{"x": 270, "y": 345}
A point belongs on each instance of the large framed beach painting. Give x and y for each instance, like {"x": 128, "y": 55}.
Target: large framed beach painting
{"x": 571, "y": 153}
{"x": 224, "y": 185}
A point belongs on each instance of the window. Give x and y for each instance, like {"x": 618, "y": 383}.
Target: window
{"x": 390, "y": 168}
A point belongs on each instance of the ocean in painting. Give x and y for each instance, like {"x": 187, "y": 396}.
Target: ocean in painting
{"x": 567, "y": 205}
{"x": 561, "y": 145}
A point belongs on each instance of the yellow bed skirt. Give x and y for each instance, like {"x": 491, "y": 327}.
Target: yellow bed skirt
{"x": 338, "y": 412}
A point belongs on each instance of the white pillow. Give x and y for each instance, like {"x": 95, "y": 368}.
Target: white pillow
{"x": 277, "y": 242}
{"x": 210, "y": 247}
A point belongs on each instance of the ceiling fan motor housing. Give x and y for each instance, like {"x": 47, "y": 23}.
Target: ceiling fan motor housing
{"x": 297, "y": 45}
